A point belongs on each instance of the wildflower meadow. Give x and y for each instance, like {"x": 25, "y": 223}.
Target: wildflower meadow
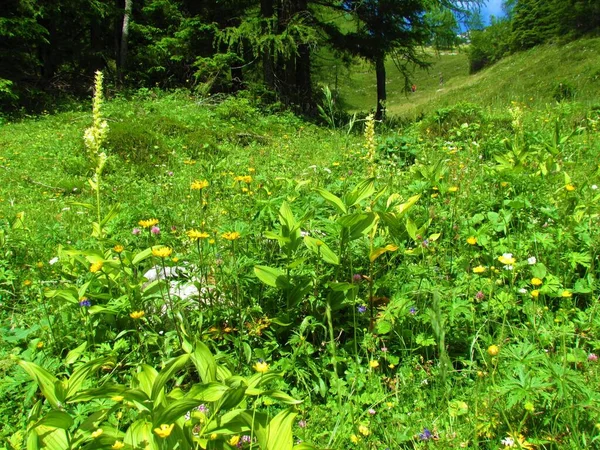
{"x": 193, "y": 273}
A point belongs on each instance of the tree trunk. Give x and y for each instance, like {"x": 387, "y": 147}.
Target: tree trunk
{"x": 303, "y": 78}
{"x": 381, "y": 91}
{"x": 122, "y": 61}
{"x": 267, "y": 11}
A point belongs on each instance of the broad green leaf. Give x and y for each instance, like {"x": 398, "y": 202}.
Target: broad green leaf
{"x": 377, "y": 252}
{"x": 140, "y": 435}
{"x": 55, "y": 419}
{"x": 358, "y": 224}
{"x": 384, "y": 327}
{"x": 406, "y": 206}
{"x": 172, "y": 367}
{"x": 46, "y": 382}
{"x": 279, "y": 431}
{"x": 362, "y": 191}
{"x": 106, "y": 391}
{"x": 52, "y": 438}
{"x": 78, "y": 377}
{"x": 333, "y": 200}
{"x": 233, "y": 397}
{"x": 231, "y": 422}
{"x": 111, "y": 214}
{"x": 145, "y": 378}
{"x": 319, "y": 247}
{"x": 205, "y": 362}
{"x": 411, "y": 228}
{"x": 281, "y": 397}
{"x": 175, "y": 411}
{"x": 74, "y": 354}
{"x": 271, "y": 276}
{"x": 209, "y": 392}
{"x": 287, "y": 216}
{"x": 141, "y": 256}
{"x": 275, "y": 236}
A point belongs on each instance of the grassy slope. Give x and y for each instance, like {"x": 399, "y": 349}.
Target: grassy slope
{"x": 529, "y": 77}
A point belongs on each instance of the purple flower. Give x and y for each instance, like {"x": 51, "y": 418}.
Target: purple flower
{"x": 302, "y": 423}
{"x": 170, "y": 173}
{"x": 356, "y": 278}
{"x": 413, "y": 310}
{"x": 136, "y": 231}
{"x": 592, "y": 357}
{"x": 480, "y": 295}
{"x": 425, "y": 435}
{"x": 384, "y": 349}
{"x": 155, "y": 230}
{"x": 425, "y": 243}
{"x": 203, "y": 408}
{"x": 372, "y": 411}
{"x": 85, "y": 303}
{"x": 361, "y": 309}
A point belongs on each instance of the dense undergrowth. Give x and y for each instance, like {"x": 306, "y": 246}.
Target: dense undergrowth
{"x": 433, "y": 286}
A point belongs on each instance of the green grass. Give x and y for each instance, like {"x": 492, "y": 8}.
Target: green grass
{"x": 372, "y": 279}
{"x": 529, "y": 77}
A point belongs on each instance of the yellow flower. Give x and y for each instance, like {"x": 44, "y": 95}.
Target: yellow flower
{"x": 40, "y": 344}
{"x": 213, "y": 436}
{"x": 507, "y": 259}
{"x": 233, "y": 441}
{"x": 194, "y": 235}
{"x": 165, "y": 430}
{"x": 148, "y": 223}
{"x": 27, "y": 283}
{"x": 364, "y": 430}
{"x": 570, "y": 187}
{"x": 231, "y": 235}
{"x": 162, "y": 252}
{"x": 198, "y": 185}
{"x": 261, "y": 367}
{"x": 536, "y": 281}
{"x": 566, "y": 294}
{"x": 137, "y": 314}
{"x": 471, "y": 240}
{"x": 251, "y": 169}
{"x": 244, "y": 178}
{"x": 535, "y": 293}
{"x": 373, "y": 364}
{"x": 39, "y": 264}
{"x": 117, "y": 445}
{"x": 504, "y": 184}
{"x": 354, "y": 438}
{"x": 453, "y": 189}
{"x": 117, "y": 398}
{"x": 479, "y": 269}
{"x": 493, "y": 350}
{"x": 96, "y": 267}
{"x": 97, "y": 433}
{"x": 118, "y": 248}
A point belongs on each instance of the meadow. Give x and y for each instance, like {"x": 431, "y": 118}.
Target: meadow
{"x": 214, "y": 273}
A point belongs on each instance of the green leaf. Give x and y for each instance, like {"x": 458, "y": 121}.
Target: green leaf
{"x": 205, "y": 362}
{"x": 271, "y": 276}
{"x": 140, "y": 435}
{"x": 176, "y": 410}
{"x": 286, "y": 216}
{"x": 209, "y": 392}
{"x": 281, "y": 397}
{"x": 106, "y": 391}
{"x": 333, "y": 200}
{"x": 52, "y": 438}
{"x": 81, "y": 373}
{"x": 362, "y": 191}
{"x": 46, "y": 382}
{"x": 172, "y": 367}
{"x": 145, "y": 378}
{"x": 319, "y": 247}
{"x": 111, "y": 214}
{"x": 377, "y": 252}
{"x": 141, "y": 256}
{"x": 279, "y": 434}
{"x": 358, "y": 224}
{"x": 74, "y": 354}
{"x": 275, "y": 236}
{"x": 55, "y": 419}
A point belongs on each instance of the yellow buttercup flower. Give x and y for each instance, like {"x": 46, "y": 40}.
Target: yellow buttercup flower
{"x": 354, "y": 438}
{"x": 164, "y": 430}
{"x": 148, "y": 223}
{"x": 566, "y": 294}
{"x": 261, "y": 367}
{"x": 117, "y": 445}
{"x": 231, "y": 235}
{"x": 364, "y": 430}
{"x": 507, "y": 259}
{"x": 233, "y": 441}
{"x": 373, "y": 364}
{"x": 137, "y": 314}
{"x": 198, "y": 185}
{"x": 97, "y": 433}
{"x": 453, "y": 189}
{"x": 118, "y": 248}
{"x": 96, "y": 267}
{"x": 479, "y": 269}
{"x": 162, "y": 252}
{"x": 194, "y": 235}
{"x": 471, "y": 240}
{"x": 536, "y": 281}
{"x": 117, "y": 398}
{"x": 244, "y": 178}
{"x": 493, "y": 350}
{"x": 570, "y": 187}
{"x": 535, "y": 293}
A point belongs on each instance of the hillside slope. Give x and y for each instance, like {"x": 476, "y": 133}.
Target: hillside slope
{"x": 531, "y": 77}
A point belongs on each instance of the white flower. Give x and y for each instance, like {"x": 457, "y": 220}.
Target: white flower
{"x": 509, "y": 442}
{"x": 522, "y": 291}
{"x": 531, "y": 261}
{"x": 53, "y": 261}
{"x": 594, "y": 187}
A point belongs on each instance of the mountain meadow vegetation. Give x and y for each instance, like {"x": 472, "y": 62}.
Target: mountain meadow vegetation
{"x": 296, "y": 225}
